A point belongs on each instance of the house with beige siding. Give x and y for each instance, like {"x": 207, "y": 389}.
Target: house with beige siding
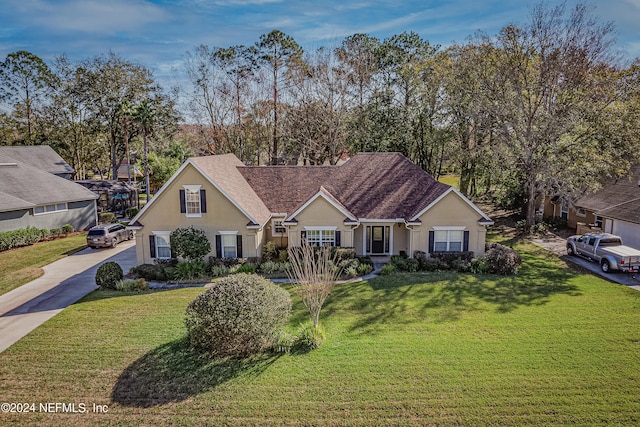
{"x": 378, "y": 203}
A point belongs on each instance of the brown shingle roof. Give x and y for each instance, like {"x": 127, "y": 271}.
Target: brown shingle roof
{"x": 618, "y": 199}
{"x": 369, "y": 185}
{"x": 224, "y": 172}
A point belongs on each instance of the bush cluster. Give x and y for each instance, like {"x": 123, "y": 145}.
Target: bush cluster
{"x": 132, "y": 285}
{"x": 190, "y": 243}
{"x": 30, "y": 235}
{"x": 498, "y": 259}
{"x": 501, "y": 259}
{"x": 238, "y": 316}
{"x": 108, "y": 275}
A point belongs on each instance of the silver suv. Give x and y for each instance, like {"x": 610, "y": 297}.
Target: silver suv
{"x": 107, "y": 235}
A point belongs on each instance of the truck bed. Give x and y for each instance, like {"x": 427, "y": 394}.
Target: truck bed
{"x": 623, "y": 251}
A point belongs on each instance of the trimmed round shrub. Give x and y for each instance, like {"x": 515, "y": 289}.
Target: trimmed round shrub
{"x": 67, "y": 228}
{"x": 238, "y": 316}
{"x": 108, "y": 275}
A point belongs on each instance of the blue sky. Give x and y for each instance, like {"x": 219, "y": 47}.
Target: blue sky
{"x": 157, "y": 33}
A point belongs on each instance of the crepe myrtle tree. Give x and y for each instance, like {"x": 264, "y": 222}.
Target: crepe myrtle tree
{"x": 189, "y": 243}
{"x": 314, "y": 271}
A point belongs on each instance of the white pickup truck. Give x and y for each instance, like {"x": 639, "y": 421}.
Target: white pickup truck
{"x": 607, "y": 250}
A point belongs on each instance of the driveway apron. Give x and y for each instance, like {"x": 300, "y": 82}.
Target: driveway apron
{"x": 63, "y": 283}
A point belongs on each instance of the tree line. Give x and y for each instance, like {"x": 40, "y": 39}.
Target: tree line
{"x": 540, "y": 108}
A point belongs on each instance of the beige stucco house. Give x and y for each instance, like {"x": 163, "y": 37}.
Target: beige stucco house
{"x": 378, "y": 203}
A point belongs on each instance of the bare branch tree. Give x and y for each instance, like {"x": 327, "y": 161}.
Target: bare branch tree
{"x": 314, "y": 272}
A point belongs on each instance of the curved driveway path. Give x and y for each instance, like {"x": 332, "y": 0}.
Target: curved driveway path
{"x": 64, "y": 282}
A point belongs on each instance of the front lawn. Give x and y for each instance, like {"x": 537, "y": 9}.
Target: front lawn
{"x": 22, "y": 265}
{"x": 549, "y": 346}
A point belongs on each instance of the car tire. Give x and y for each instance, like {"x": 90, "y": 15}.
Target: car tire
{"x": 570, "y": 250}
{"x": 605, "y": 266}
{"x": 114, "y": 243}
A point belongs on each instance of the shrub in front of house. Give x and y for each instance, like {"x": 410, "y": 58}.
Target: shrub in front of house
{"x": 502, "y": 259}
{"x": 21, "y": 237}
{"x": 108, "y": 275}
{"x": 67, "y": 228}
{"x": 239, "y": 315}
{"x": 189, "y": 270}
{"x": 189, "y": 243}
{"x": 151, "y": 272}
{"x": 132, "y": 285}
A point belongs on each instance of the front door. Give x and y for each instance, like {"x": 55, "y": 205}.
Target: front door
{"x": 377, "y": 240}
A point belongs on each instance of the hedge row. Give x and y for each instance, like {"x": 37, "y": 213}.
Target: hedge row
{"x": 30, "y": 235}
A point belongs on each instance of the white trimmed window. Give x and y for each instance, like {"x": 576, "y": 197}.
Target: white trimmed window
{"x": 277, "y": 229}
{"x": 321, "y": 236}
{"x": 229, "y": 244}
{"x": 581, "y": 212}
{"x": 448, "y": 240}
{"x": 192, "y": 200}
{"x": 163, "y": 246}
{"x": 46, "y": 209}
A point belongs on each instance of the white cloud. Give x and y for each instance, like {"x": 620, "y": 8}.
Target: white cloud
{"x": 93, "y": 16}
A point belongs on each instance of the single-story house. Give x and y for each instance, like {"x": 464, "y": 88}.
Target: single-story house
{"x": 615, "y": 208}
{"x": 30, "y": 196}
{"x": 378, "y": 203}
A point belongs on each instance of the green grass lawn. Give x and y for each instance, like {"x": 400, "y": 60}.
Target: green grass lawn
{"x": 549, "y": 346}
{"x": 452, "y": 180}
{"x": 20, "y": 266}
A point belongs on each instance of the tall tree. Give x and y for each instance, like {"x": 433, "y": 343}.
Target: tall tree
{"x": 276, "y": 51}
{"x": 541, "y": 88}
{"x": 106, "y": 83}
{"x": 145, "y": 118}
{"x": 25, "y": 83}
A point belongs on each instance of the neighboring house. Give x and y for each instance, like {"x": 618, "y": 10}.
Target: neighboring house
{"x": 42, "y": 157}
{"x": 377, "y": 203}
{"x": 615, "y": 208}
{"x": 34, "y": 196}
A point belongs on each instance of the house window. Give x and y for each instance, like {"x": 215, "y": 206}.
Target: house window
{"x": 321, "y": 237}
{"x": 58, "y": 207}
{"x": 581, "y": 212}
{"x": 163, "y": 246}
{"x": 277, "y": 229}
{"x": 448, "y": 240}
{"x": 229, "y": 244}
{"x": 192, "y": 200}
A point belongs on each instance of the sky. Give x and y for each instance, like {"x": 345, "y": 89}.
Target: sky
{"x": 158, "y": 33}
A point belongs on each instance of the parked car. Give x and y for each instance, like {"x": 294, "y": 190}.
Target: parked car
{"x": 107, "y": 235}
{"x": 605, "y": 249}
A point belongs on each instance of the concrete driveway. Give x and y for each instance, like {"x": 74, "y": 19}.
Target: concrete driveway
{"x": 63, "y": 283}
{"x": 558, "y": 246}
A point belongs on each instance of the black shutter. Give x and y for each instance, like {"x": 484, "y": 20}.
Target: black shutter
{"x": 203, "y": 201}
{"x": 303, "y": 237}
{"x": 431, "y": 240}
{"x": 183, "y": 202}
{"x": 152, "y": 245}
{"x": 337, "y": 239}
{"x": 218, "y": 246}
{"x": 239, "y": 245}
{"x": 465, "y": 245}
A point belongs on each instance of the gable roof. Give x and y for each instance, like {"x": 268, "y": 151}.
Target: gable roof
{"x": 369, "y": 185}
{"x": 23, "y": 187}
{"x": 617, "y": 199}
{"x": 42, "y": 157}
{"x": 222, "y": 172}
